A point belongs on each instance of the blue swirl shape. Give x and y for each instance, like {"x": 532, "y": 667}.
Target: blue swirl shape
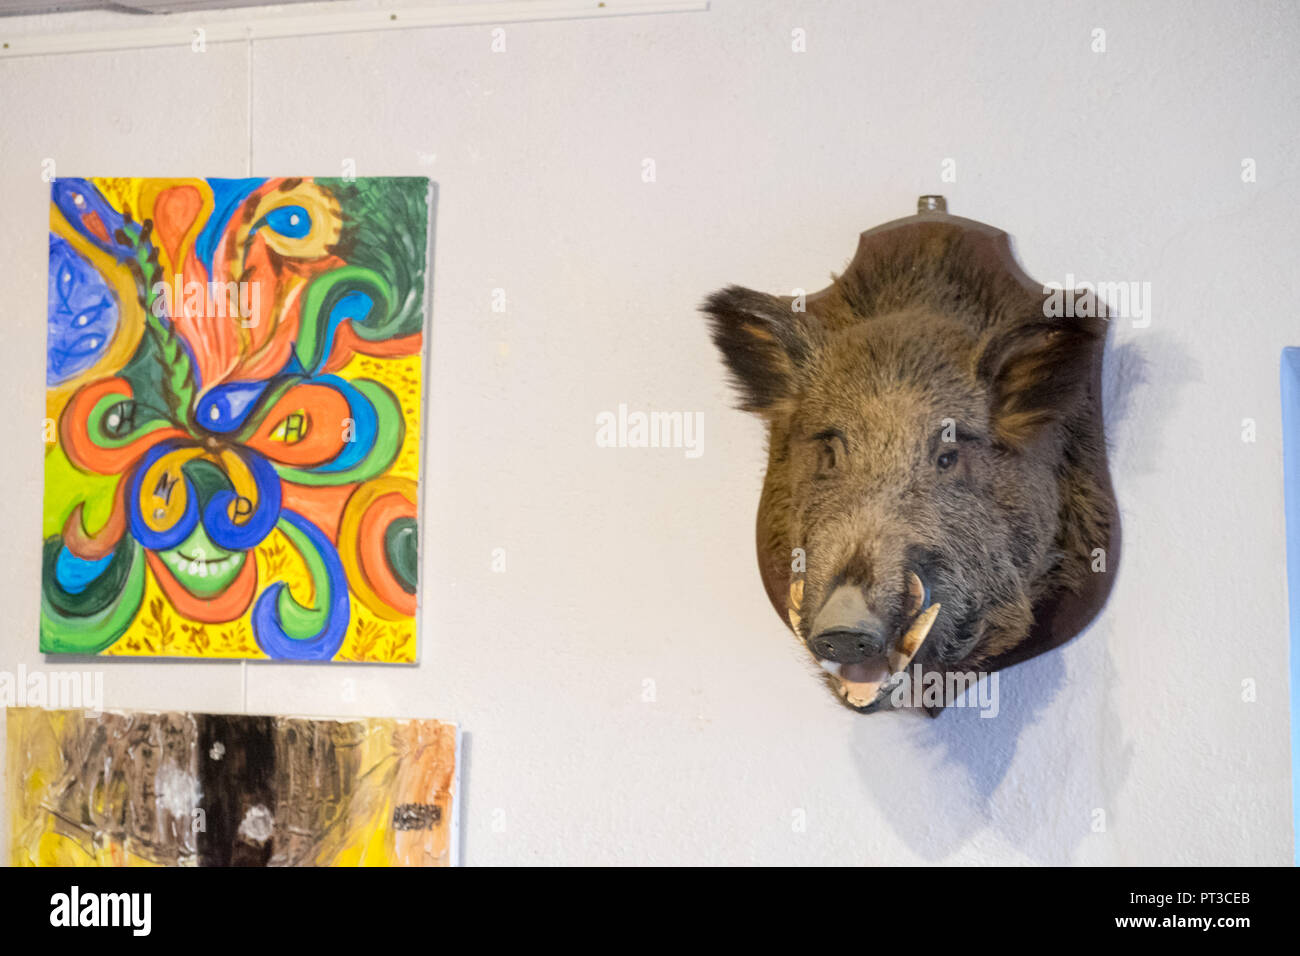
{"x": 226, "y": 407}
{"x": 250, "y": 532}
{"x": 272, "y": 638}
{"x": 354, "y": 305}
{"x": 227, "y": 196}
{"x": 74, "y": 573}
{"x": 170, "y": 538}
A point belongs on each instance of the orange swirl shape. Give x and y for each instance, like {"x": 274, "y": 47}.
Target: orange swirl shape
{"x": 347, "y": 343}
{"x": 82, "y": 448}
{"x": 369, "y": 512}
{"x": 326, "y": 412}
{"x": 100, "y": 544}
{"x": 226, "y": 606}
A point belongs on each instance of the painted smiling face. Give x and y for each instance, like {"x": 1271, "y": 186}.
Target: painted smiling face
{"x": 202, "y": 567}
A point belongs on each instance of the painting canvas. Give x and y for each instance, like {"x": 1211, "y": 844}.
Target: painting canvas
{"x": 234, "y": 391}
{"x": 182, "y": 789}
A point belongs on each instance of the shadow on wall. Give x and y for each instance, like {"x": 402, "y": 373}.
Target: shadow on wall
{"x": 941, "y": 782}
{"x": 954, "y": 776}
{"x": 941, "y": 790}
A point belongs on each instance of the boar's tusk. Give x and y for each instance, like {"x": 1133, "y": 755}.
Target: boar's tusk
{"x": 795, "y": 619}
{"x": 915, "y": 594}
{"x": 796, "y": 594}
{"x": 911, "y": 642}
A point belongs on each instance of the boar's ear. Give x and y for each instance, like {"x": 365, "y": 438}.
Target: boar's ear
{"x": 1038, "y": 374}
{"x": 763, "y": 341}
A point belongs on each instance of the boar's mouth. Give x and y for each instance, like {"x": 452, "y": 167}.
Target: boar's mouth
{"x": 865, "y": 686}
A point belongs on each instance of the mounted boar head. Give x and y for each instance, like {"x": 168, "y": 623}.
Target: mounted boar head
{"x": 937, "y": 496}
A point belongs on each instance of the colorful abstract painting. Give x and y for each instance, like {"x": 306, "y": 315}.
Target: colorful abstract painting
{"x": 234, "y": 391}
{"x": 180, "y": 789}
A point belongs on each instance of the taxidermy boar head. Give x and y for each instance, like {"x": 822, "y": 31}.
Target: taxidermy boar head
{"x": 937, "y": 497}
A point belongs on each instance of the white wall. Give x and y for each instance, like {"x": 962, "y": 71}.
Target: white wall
{"x": 626, "y": 565}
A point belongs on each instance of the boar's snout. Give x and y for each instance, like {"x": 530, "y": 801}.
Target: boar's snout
{"x": 845, "y": 630}
{"x": 861, "y": 638}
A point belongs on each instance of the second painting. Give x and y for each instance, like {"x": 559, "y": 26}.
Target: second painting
{"x": 234, "y": 392}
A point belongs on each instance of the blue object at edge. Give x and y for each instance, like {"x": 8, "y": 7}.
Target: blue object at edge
{"x": 1291, "y": 482}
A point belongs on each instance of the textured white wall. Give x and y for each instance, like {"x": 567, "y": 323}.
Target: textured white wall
{"x": 625, "y": 565}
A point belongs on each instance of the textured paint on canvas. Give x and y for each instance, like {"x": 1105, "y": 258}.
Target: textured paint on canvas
{"x": 234, "y": 390}
{"x": 181, "y": 789}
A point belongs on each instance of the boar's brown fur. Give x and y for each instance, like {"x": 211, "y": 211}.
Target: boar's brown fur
{"x": 924, "y": 412}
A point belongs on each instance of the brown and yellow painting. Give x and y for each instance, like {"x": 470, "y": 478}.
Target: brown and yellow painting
{"x": 134, "y": 788}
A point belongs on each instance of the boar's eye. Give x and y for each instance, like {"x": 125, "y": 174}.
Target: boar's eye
{"x": 830, "y": 448}
{"x": 826, "y": 457}
{"x": 947, "y": 460}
